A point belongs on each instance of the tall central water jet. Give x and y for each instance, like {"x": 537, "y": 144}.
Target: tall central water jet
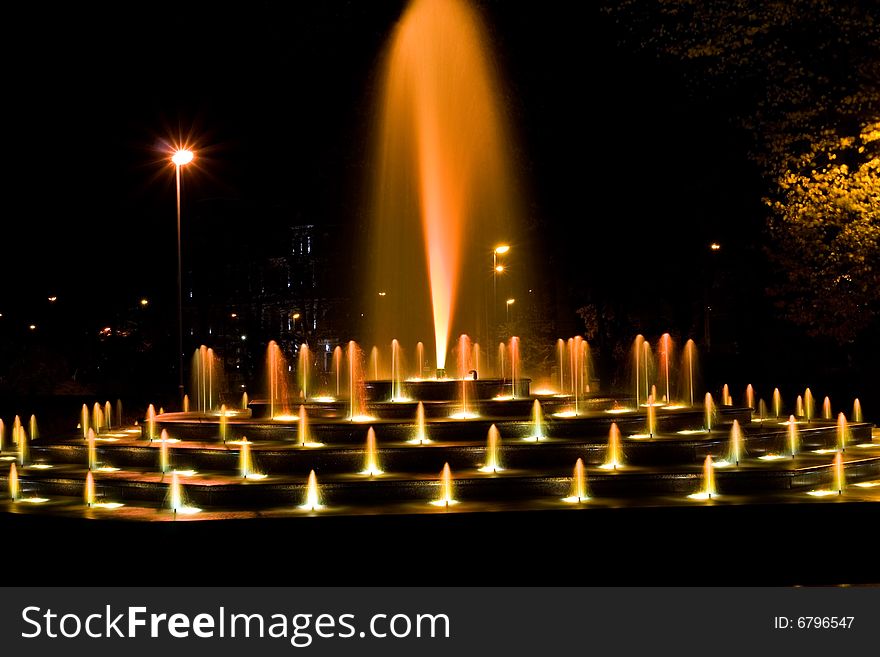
{"x": 444, "y": 193}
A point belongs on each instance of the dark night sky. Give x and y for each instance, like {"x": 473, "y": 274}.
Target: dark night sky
{"x": 622, "y": 166}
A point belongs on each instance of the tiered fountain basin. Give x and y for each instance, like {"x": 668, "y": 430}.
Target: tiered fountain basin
{"x": 662, "y": 469}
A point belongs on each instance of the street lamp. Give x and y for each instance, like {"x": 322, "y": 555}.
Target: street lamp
{"x": 295, "y": 316}
{"x": 180, "y": 158}
{"x": 497, "y": 268}
{"x": 510, "y": 302}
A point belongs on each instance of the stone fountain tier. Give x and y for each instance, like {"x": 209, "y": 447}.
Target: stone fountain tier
{"x": 395, "y": 422}
{"x": 449, "y": 389}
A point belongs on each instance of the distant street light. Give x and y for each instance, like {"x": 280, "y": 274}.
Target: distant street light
{"x": 715, "y": 246}
{"x": 144, "y": 302}
{"x": 295, "y": 316}
{"x": 53, "y": 299}
{"x": 510, "y": 302}
{"x": 497, "y": 268}
{"x": 180, "y": 158}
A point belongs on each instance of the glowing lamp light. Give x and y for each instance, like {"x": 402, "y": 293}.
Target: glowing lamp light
{"x": 510, "y": 302}
{"x": 182, "y": 157}
{"x": 53, "y": 299}
{"x": 296, "y": 315}
{"x": 499, "y": 269}
{"x": 501, "y": 249}
{"x": 715, "y": 246}
{"x": 145, "y": 302}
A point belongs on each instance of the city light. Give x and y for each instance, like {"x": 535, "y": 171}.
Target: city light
{"x": 144, "y": 302}
{"x": 499, "y": 268}
{"x": 715, "y": 246}
{"x": 182, "y": 157}
{"x": 53, "y": 299}
{"x": 502, "y": 249}
{"x": 510, "y": 302}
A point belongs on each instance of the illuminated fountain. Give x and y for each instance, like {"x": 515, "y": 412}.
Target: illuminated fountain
{"x": 857, "y": 411}
{"x": 92, "y": 450}
{"x": 735, "y": 447}
{"x": 84, "y": 421}
{"x": 304, "y": 434}
{"x": 303, "y": 370}
{"x": 777, "y": 403}
{"x": 726, "y": 399}
{"x": 799, "y": 406}
{"x": 826, "y": 409}
{"x": 276, "y": 379}
{"x": 689, "y": 371}
{"x": 664, "y": 359}
{"x": 224, "y": 422}
{"x": 442, "y": 175}
{"x": 707, "y": 492}
{"x": 465, "y": 382}
{"x": 396, "y": 372}
{"x": 313, "y": 498}
{"x": 205, "y": 379}
{"x": 22, "y": 446}
{"x": 97, "y": 418}
{"x": 14, "y": 488}
{"x": 245, "y": 462}
{"x": 356, "y": 392}
{"x": 493, "y": 443}
{"x": 794, "y": 437}
{"x": 90, "y": 489}
{"x": 164, "y": 460}
{"x": 421, "y": 436}
{"x": 537, "y": 432}
{"x": 614, "y": 452}
{"x": 578, "y": 485}
{"x": 838, "y": 479}
{"x": 842, "y": 432}
{"x": 151, "y": 423}
{"x": 337, "y": 368}
{"x": 750, "y": 396}
{"x": 446, "y": 497}
{"x": 515, "y": 371}
{"x": 809, "y": 405}
{"x": 371, "y": 457}
{"x": 651, "y": 416}
{"x": 708, "y": 412}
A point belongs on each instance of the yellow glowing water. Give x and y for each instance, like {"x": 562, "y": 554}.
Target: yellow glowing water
{"x": 651, "y": 417}
{"x": 750, "y": 396}
{"x": 707, "y": 492}
{"x": 313, "y": 499}
{"x": 794, "y": 438}
{"x": 537, "y": 432}
{"x": 224, "y": 420}
{"x": 826, "y": 409}
{"x": 708, "y": 412}
{"x": 92, "y": 450}
{"x": 13, "y": 483}
{"x": 809, "y": 405}
{"x": 151, "y": 422}
{"x": 22, "y": 446}
{"x": 842, "y": 432}
{"x": 163, "y": 453}
{"x": 777, "y": 403}
{"x": 493, "y": 443}
{"x": 84, "y": 421}
{"x": 443, "y": 178}
{"x": 614, "y": 452}
{"x": 735, "y": 449}
{"x": 857, "y": 411}
{"x": 421, "y": 436}
{"x": 371, "y": 456}
{"x": 578, "y": 485}
{"x": 446, "y": 496}
{"x": 90, "y": 489}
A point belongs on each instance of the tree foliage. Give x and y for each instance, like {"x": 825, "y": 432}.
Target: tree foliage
{"x": 802, "y": 77}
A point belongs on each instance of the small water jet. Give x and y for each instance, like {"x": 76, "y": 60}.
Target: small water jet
{"x": 22, "y": 446}
{"x": 708, "y": 412}
{"x": 857, "y": 411}
{"x": 421, "y": 436}
{"x": 92, "y": 450}
{"x": 371, "y": 457}
{"x": 14, "y": 489}
{"x": 688, "y": 371}
{"x": 493, "y": 443}
{"x": 809, "y": 405}
{"x": 276, "y": 375}
{"x": 396, "y": 372}
{"x": 707, "y": 492}
{"x": 313, "y": 498}
{"x": 750, "y": 396}
{"x": 726, "y": 399}
{"x": 356, "y": 391}
{"x": 245, "y": 461}
{"x": 89, "y": 489}
{"x": 736, "y": 448}
{"x": 838, "y": 481}
{"x": 224, "y": 421}
{"x": 446, "y": 496}
{"x": 799, "y": 406}
{"x": 537, "y": 432}
{"x": 826, "y": 409}
{"x": 164, "y": 460}
{"x": 84, "y": 421}
{"x": 186, "y": 403}
{"x": 793, "y": 437}
{"x": 651, "y": 417}
{"x": 2, "y": 436}
{"x": 777, "y": 403}
{"x": 515, "y": 370}
{"x": 578, "y": 485}
{"x": 614, "y": 452}
{"x": 244, "y": 401}
{"x": 842, "y": 432}
{"x": 303, "y": 370}
{"x": 151, "y": 423}
{"x": 304, "y": 433}
{"x": 665, "y": 359}
{"x": 762, "y": 410}
{"x": 177, "y": 498}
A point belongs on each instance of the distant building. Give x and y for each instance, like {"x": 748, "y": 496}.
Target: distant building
{"x": 253, "y": 276}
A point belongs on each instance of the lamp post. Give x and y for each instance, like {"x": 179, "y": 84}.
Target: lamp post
{"x": 510, "y": 302}
{"x": 497, "y": 268}
{"x": 181, "y": 158}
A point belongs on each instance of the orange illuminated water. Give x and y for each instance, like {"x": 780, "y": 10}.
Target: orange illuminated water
{"x": 444, "y": 193}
